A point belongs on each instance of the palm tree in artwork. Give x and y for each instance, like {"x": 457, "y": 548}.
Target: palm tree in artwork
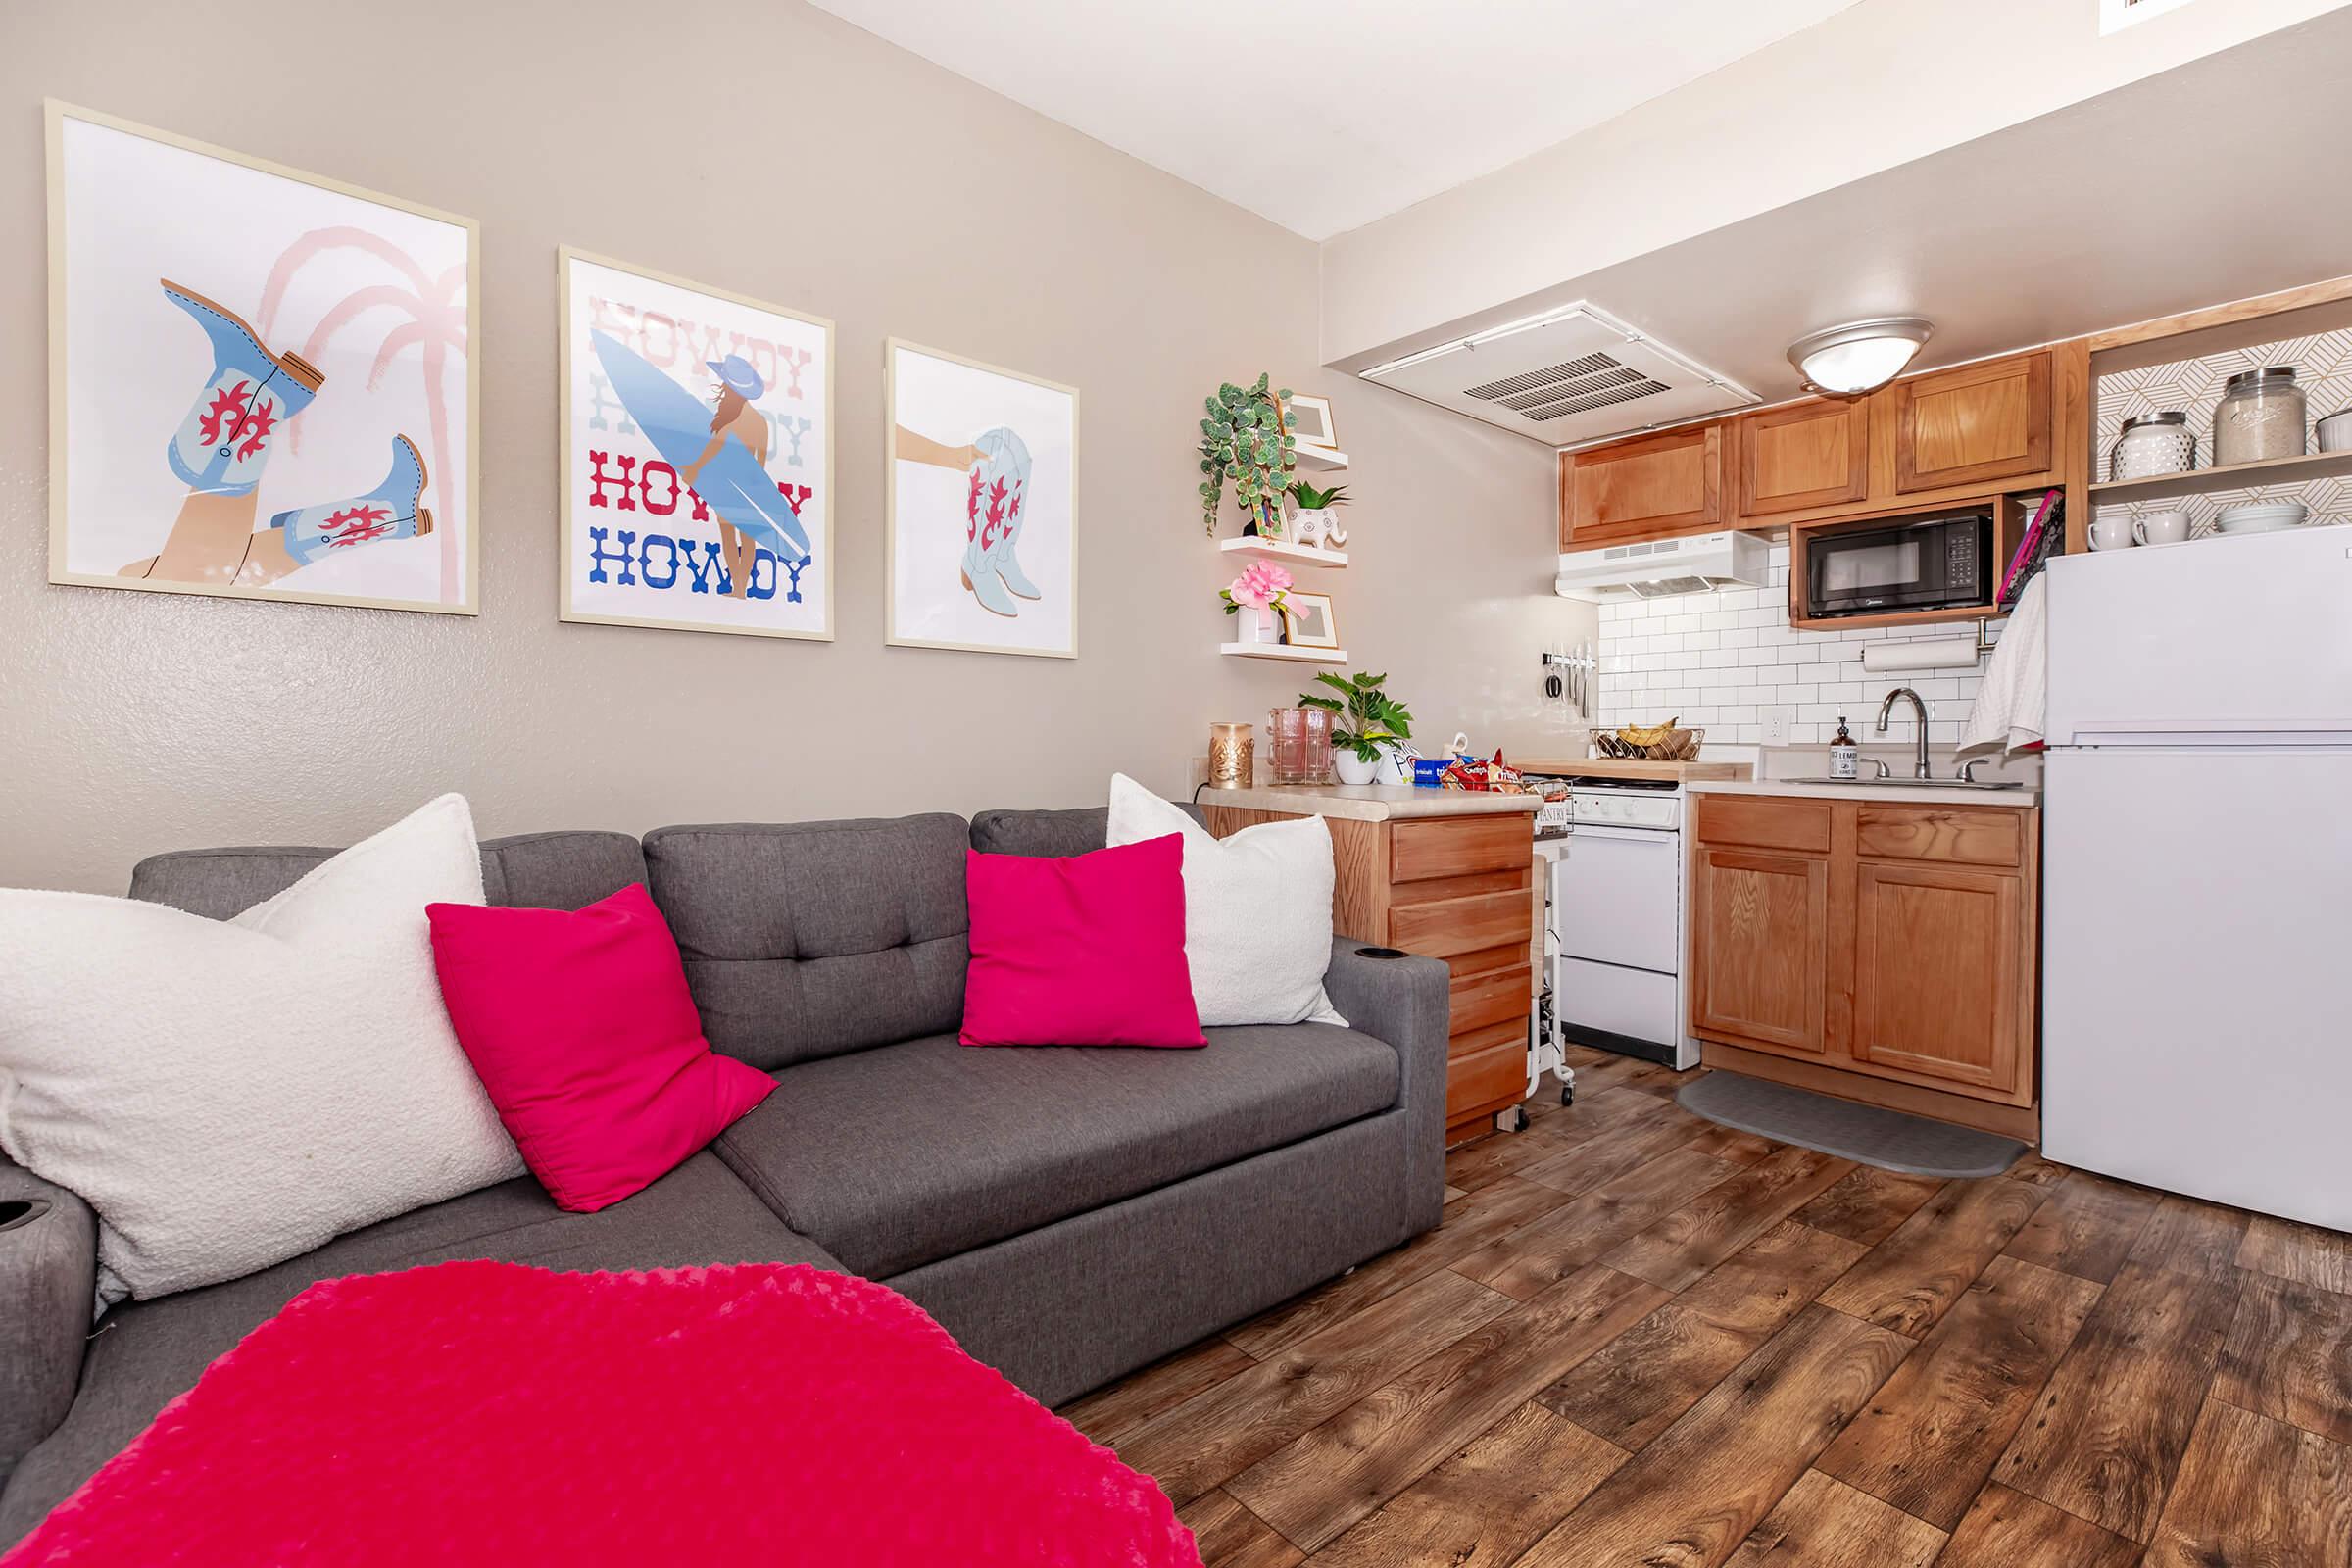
{"x": 433, "y": 320}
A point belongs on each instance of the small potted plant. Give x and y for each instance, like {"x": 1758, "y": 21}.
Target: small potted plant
{"x": 1243, "y": 439}
{"x": 1318, "y": 520}
{"x": 1367, "y": 725}
{"x": 1261, "y": 588}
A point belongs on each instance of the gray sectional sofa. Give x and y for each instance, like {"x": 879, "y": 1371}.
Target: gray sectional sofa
{"x": 1069, "y": 1213}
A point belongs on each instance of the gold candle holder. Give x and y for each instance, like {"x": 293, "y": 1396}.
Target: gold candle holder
{"x": 1232, "y": 756}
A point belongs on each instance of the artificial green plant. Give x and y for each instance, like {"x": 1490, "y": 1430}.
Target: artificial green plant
{"x": 1373, "y": 718}
{"x": 1243, "y": 439}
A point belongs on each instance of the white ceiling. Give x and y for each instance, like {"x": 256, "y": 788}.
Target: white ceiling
{"x": 2154, "y": 198}
{"x": 1323, "y": 115}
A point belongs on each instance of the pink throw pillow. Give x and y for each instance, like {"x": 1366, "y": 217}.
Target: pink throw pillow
{"x": 580, "y": 1026}
{"x": 1087, "y": 951}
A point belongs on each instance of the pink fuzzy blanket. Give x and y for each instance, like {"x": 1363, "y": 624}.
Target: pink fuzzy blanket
{"x": 493, "y": 1413}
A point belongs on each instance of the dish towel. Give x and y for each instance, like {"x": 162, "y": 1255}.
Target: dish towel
{"x": 2010, "y": 705}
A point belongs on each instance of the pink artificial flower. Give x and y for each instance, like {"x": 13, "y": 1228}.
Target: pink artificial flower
{"x": 1260, "y": 585}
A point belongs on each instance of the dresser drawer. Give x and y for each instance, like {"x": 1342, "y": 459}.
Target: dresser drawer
{"x": 1933, "y": 833}
{"x": 1768, "y": 822}
{"x": 1480, "y": 1001}
{"x": 1481, "y": 1077}
{"x": 1449, "y": 926}
{"x": 1426, "y": 850}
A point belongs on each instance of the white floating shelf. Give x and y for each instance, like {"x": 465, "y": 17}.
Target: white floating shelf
{"x": 1280, "y": 550}
{"x": 1299, "y": 656}
{"x": 1319, "y": 456}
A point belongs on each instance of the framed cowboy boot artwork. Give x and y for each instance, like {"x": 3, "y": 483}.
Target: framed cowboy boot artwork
{"x": 981, "y": 516}
{"x": 262, "y": 379}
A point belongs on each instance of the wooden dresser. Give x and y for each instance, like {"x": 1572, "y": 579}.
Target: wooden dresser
{"x": 1879, "y": 948}
{"x": 1447, "y": 875}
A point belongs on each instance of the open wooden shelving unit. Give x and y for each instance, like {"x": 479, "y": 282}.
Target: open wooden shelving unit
{"x": 2201, "y": 334}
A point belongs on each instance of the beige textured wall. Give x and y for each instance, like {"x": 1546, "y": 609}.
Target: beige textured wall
{"x": 134, "y": 722}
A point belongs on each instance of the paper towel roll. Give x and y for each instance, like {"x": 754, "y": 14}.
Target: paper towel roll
{"x": 1939, "y": 653}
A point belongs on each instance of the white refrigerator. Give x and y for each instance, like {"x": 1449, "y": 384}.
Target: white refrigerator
{"x": 2197, "y": 871}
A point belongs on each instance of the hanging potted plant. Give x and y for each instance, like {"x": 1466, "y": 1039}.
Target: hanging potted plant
{"x": 1367, "y": 731}
{"x": 1316, "y": 522}
{"x": 1260, "y": 589}
{"x": 1243, "y": 439}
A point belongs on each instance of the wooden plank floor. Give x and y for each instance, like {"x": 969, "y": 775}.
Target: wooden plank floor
{"x": 1642, "y": 1339}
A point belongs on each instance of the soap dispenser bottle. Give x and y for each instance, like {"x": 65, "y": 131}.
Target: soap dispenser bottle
{"x": 1845, "y": 757}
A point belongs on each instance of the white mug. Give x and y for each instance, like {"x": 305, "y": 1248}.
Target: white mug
{"x": 2111, "y": 533}
{"x": 2167, "y": 527}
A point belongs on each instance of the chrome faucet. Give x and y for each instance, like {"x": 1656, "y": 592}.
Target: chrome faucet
{"x": 1919, "y": 707}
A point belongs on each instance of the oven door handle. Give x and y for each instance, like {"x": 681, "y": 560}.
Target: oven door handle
{"x": 1664, "y": 836}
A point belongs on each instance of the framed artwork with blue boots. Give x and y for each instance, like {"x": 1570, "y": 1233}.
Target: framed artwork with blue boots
{"x": 261, "y": 380}
{"x": 983, "y": 484}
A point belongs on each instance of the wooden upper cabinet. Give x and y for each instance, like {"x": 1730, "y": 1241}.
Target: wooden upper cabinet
{"x": 1972, "y": 424}
{"x": 1938, "y": 963}
{"x": 1646, "y": 488}
{"x": 1805, "y": 455}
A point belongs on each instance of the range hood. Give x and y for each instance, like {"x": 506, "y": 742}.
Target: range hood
{"x": 1568, "y": 376}
{"x": 1661, "y": 568}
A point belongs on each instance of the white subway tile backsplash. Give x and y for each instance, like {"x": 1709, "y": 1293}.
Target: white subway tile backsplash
{"x": 1721, "y": 659}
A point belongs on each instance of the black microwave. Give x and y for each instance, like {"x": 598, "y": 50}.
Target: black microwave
{"x": 1941, "y": 562}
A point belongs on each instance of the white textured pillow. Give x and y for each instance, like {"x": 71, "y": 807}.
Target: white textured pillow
{"x": 1257, "y": 910}
{"x": 228, "y": 1094}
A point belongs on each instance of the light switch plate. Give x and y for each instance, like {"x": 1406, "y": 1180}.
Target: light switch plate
{"x": 1777, "y": 720}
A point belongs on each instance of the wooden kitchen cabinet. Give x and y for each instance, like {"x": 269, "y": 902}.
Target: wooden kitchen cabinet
{"x": 1813, "y": 454}
{"x": 1761, "y": 937}
{"x": 1463, "y": 889}
{"x": 1975, "y": 424}
{"x": 1877, "y": 950}
{"x": 1651, "y": 487}
{"x": 1939, "y": 958}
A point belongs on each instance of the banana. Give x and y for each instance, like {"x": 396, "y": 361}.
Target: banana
{"x": 1647, "y": 734}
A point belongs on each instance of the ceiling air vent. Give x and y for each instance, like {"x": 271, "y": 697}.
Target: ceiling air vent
{"x": 1569, "y": 376}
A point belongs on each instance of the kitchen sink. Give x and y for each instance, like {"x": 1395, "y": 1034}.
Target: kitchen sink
{"x": 1912, "y": 783}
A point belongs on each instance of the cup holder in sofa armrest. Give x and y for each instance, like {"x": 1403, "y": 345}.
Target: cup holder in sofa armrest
{"x": 1382, "y": 952}
{"x": 16, "y": 1211}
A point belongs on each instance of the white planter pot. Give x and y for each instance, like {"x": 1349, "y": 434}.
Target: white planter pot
{"x": 1308, "y": 527}
{"x": 1256, "y": 625}
{"x": 1352, "y": 769}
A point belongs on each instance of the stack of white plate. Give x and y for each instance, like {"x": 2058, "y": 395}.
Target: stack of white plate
{"x": 2261, "y": 517}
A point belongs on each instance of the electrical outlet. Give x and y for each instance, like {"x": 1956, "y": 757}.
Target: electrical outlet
{"x": 1776, "y": 723}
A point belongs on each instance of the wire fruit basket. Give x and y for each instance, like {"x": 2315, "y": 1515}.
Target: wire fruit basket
{"x": 1651, "y": 743}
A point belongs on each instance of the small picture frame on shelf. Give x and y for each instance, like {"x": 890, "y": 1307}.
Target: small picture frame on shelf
{"x": 1309, "y": 622}
{"x": 1309, "y": 420}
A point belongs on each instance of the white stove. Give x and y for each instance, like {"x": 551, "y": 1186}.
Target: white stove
{"x": 1616, "y": 926}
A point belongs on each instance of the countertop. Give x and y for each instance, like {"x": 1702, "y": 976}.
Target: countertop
{"x": 1370, "y": 803}
{"x": 1916, "y": 794}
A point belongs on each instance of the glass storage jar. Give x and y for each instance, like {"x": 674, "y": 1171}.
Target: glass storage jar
{"x": 2260, "y": 417}
{"x": 2153, "y": 444}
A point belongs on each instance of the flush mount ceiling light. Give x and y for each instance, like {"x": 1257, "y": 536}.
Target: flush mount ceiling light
{"x": 1859, "y": 356}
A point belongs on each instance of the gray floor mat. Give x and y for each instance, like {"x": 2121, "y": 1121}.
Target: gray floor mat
{"x": 1888, "y": 1139}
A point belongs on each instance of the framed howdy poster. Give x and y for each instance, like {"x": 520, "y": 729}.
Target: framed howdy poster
{"x": 698, "y": 455}
{"x": 262, "y": 382}
{"x": 982, "y": 506}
